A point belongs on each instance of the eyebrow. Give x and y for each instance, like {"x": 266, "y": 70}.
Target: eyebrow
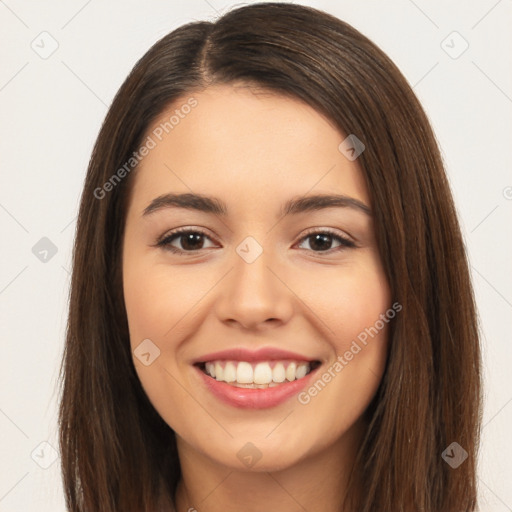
{"x": 293, "y": 206}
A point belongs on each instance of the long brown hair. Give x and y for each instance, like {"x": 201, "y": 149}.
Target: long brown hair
{"x": 117, "y": 453}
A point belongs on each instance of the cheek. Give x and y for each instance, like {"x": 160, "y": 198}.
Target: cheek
{"x": 157, "y": 303}
{"x": 157, "y": 298}
{"x": 160, "y": 306}
{"x": 356, "y": 309}
{"x": 363, "y": 298}
{"x": 348, "y": 301}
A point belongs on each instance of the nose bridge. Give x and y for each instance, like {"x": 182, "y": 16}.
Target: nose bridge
{"x": 252, "y": 281}
{"x": 252, "y": 268}
{"x": 253, "y": 293}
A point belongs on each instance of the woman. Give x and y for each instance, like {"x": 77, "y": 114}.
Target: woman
{"x": 270, "y": 303}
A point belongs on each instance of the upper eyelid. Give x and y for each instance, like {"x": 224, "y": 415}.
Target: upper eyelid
{"x": 330, "y": 231}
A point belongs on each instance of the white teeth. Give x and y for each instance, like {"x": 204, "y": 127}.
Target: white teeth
{"x": 210, "y": 368}
{"x": 262, "y": 374}
{"x": 257, "y": 375}
{"x": 278, "y": 373}
{"x": 244, "y": 373}
{"x": 290, "y": 371}
{"x": 219, "y": 372}
{"x": 230, "y": 372}
{"x": 301, "y": 371}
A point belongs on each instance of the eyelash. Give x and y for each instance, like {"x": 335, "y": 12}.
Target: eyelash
{"x": 165, "y": 242}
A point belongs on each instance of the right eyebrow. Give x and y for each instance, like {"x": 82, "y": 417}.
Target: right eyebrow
{"x": 189, "y": 201}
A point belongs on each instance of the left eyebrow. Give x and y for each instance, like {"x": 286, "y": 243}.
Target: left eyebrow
{"x": 293, "y": 206}
{"x": 321, "y": 201}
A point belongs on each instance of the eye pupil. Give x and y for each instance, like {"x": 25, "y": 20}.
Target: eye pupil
{"x": 321, "y": 241}
{"x": 191, "y": 240}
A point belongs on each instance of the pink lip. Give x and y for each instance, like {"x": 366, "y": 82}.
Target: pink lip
{"x": 242, "y": 354}
{"x": 254, "y": 398}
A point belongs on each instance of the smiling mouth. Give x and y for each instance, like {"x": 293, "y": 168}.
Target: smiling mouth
{"x": 257, "y": 375}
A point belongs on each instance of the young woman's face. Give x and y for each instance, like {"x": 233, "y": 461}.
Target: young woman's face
{"x": 272, "y": 287}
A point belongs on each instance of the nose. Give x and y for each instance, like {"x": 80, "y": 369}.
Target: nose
{"x": 254, "y": 296}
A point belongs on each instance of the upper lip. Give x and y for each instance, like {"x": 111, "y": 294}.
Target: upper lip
{"x": 243, "y": 354}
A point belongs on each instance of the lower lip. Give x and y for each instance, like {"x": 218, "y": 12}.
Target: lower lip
{"x": 247, "y": 398}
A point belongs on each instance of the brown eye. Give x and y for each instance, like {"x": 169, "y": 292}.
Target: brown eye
{"x": 321, "y": 241}
{"x": 189, "y": 240}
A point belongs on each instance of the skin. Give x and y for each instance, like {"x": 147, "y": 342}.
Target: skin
{"x": 255, "y": 151}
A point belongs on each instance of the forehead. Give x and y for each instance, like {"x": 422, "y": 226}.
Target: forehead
{"x": 244, "y": 145}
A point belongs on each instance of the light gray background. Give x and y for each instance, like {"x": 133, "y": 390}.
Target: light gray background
{"x": 51, "y": 111}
